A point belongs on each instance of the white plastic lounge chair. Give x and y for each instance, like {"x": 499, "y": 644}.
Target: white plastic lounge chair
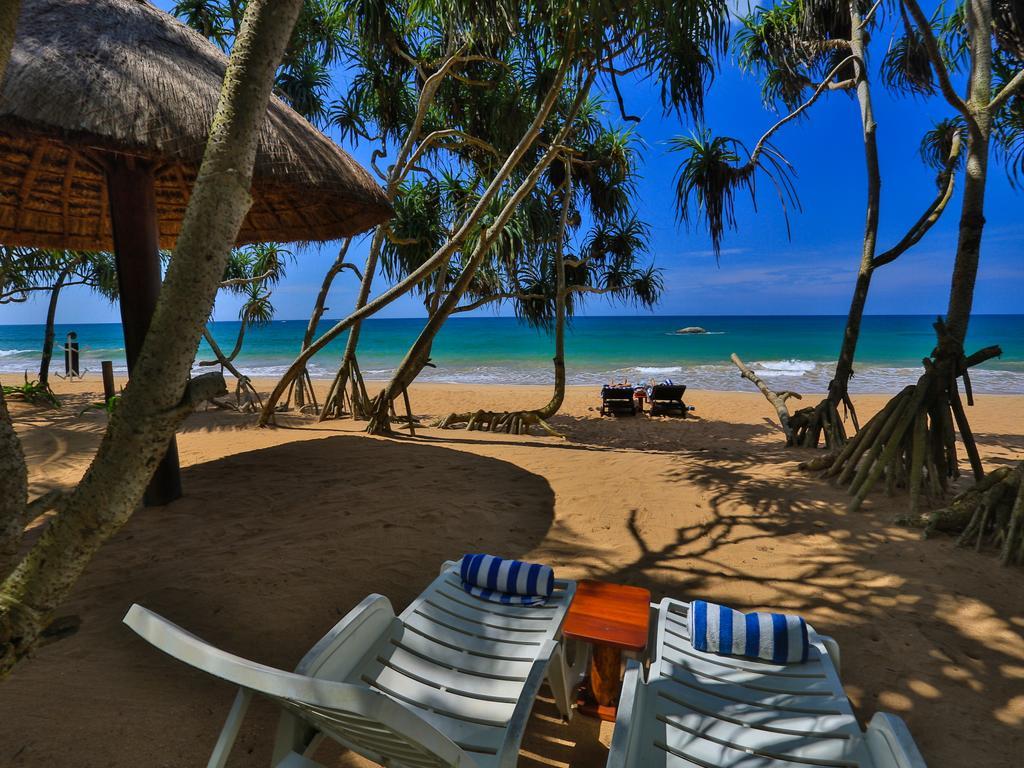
{"x": 450, "y": 682}
{"x": 702, "y": 709}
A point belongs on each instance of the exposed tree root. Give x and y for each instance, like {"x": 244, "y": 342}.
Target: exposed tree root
{"x": 990, "y": 512}
{"x": 911, "y": 443}
{"x": 347, "y": 395}
{"x": 511, "y": 422}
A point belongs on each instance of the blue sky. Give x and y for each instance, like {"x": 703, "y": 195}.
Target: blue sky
{"x": 760, "y": 270}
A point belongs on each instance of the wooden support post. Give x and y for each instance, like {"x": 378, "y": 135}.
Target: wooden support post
{"x": 109, "y": 390}
{"x": 133, "y": 217}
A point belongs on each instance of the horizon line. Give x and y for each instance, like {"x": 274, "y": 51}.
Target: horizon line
{"x": 577, "y": 317}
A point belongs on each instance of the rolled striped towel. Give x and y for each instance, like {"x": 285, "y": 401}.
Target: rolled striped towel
{"x": 506, "y": 581}
{"x": 777, "y": 637}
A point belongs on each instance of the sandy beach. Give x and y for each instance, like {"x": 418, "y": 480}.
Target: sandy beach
{"x": 283, "y": 530}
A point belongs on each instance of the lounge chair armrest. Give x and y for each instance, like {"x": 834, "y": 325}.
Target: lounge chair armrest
{"x": 628, "y": 716}
{"x": 358, "y": 631}
{"x": 524, "y": 706}
{"x": 891, "y": 744}
{"x": 832, "y": 647}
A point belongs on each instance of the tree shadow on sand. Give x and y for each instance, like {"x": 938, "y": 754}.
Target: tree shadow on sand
{"x": 269, "y": 549}
{"x": 915, "y": 636}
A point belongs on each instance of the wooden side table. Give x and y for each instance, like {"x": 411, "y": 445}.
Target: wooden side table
{"x": 612, "y": 618}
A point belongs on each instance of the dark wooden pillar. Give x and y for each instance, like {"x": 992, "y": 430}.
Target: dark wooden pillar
{"x": 137, "y": 250}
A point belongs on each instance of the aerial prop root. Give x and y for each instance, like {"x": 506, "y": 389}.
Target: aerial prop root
{"x": 510, "y": 422}
{"x": 912, "y": 442}
{"x": 990, "y": 512}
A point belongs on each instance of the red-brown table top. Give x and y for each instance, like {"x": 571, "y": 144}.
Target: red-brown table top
{"x": 609, "y": 614}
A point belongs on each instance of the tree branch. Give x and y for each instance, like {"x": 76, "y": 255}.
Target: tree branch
{"x": 239, "y": 281}
{"x": 759, "y": 147}
{"x": 932, "y": 213}
{"x": 430, "y": 138}
{"x": 1007, "y": 91}
{"x": 499, "y": 297}
{"x": 935, "y": 57}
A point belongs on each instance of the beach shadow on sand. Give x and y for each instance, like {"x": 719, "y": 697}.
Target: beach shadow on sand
{"x": 265, "y": 553}
{"x": 927, "y": 629}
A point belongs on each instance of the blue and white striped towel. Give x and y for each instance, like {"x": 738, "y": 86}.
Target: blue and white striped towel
{"x": 775, "y": 637}
{"x": 506, "y": 581}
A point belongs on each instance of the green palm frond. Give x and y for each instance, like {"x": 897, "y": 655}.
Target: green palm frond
{"x": 906, "y": 67}
{"x": 937, "y": 143}
{"x": 708, "y": 180}
{"x": 207, "y": 18}
{"x": 714, "y": 170}
{"x": 303, "y": 84}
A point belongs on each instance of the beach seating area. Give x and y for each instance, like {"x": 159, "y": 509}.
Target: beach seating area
{"x": 665, "y": 398}
{"x": 453, "y": 679}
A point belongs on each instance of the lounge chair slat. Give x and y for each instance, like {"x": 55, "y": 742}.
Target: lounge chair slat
{"x": 787, "y": 702}
{"x": 824, "y": 747}
{"x": 666, "y": 695}
{"x": 476, "y": 628}
{"x": 454, "y": 680}
{"x": 459, "y": 659}
{"x": 704, "y": 751}
{"x": 707, "y": 668}
{"x": 468, "y": 641}
{"x": 439, "y": 602}
{"x": 393, "y": 681}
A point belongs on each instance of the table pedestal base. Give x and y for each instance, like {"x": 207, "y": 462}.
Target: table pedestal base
{"x": 600, "y": 693}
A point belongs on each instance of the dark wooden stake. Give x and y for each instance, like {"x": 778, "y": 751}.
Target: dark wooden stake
{"x": 133, "y": 219}
{"x": 109, "y": 390}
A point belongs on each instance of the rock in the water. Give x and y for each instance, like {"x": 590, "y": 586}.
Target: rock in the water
{"x": 692, "y": 329}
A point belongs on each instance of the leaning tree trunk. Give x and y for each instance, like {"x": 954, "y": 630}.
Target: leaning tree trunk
{"x": 13, "y": 491}
{"x": 51, "y": 317}
{"x": 159, "y": 395}
{"x": 419, "y": 352}
{"x": 519, "y": 422}
{"x": 243, "y": 384}
{"x": 315, "y": 316}
{"x": 824, "y": 419}
{"x": 332, "y": 402}
{"x": 9, "y": 12}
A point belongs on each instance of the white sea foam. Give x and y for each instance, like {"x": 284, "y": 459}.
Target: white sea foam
{"x": 13, "y": 352}
{"x": 784, "y": 367}
{"x": 654, "y": 370}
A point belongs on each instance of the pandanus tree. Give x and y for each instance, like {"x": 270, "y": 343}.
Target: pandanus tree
{"x": 557, "y": 263}
{"x": 572, "y": 46}
{"x": 426, "y": 96}
{"x": 251, "y": 274}
{"x": 24, "y": 271}
{"x": 912, "y": 442}
{"x": 803, "y": 49}
{"x": 529, "y": 250}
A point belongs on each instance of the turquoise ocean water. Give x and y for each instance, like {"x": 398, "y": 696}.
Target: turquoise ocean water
{"x": 797, "y": 352}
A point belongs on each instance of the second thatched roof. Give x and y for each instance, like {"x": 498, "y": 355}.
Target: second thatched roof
{"x": 92, "y": 77}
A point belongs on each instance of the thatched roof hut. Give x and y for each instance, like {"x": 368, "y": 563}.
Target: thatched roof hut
{"x": 88, "y": 78}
